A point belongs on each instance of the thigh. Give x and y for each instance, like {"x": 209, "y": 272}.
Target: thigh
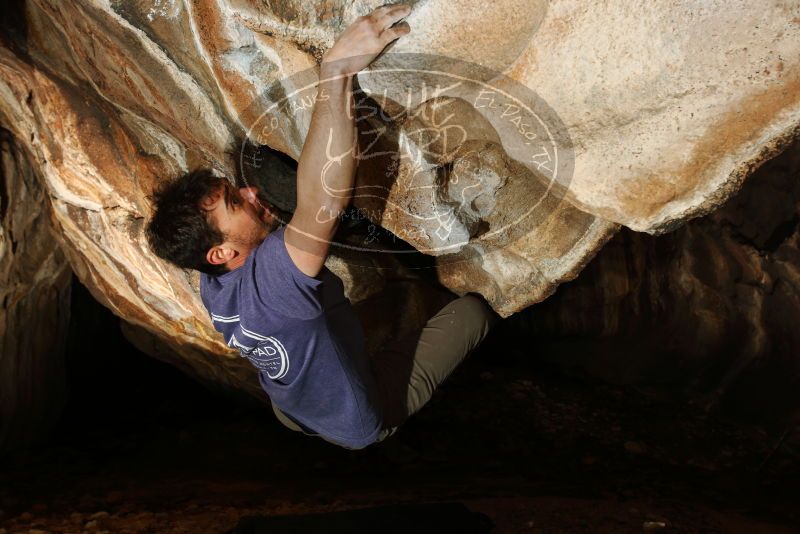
{"x": 409, "y": 370}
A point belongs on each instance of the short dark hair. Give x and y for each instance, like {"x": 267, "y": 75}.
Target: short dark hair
{"x": 180, "y": 231}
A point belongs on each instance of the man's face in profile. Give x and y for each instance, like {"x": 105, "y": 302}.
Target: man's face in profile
{"x": 243, "y": 216}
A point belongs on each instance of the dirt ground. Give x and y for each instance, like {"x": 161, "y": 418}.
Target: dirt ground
{"x": 516, "y": 441}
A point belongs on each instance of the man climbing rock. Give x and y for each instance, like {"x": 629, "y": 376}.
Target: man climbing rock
{"x": 269, "y": 293}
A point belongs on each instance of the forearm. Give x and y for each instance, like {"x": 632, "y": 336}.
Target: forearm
{"x": 327, "y": 165}
{"x": 326, "y": 170}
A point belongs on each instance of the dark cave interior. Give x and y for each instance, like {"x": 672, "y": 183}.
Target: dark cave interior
{"x": 511, "y": 442}
{"x": 606, "y": 408}
{"x": 551, "y": 425}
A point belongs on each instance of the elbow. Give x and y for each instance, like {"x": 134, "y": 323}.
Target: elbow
{"x": 334, "y": 211}
{"x": 337, "y": 205}
{"x": 324, "y": 205}
{"x": 311, "y": 194}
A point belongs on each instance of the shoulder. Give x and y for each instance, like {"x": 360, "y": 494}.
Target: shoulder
{"x": 274, "y": 248}
{"x": 276, "y": 281}
{"x": 206, "y": 292}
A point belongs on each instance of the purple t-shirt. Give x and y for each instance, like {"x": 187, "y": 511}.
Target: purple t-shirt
{"x": 301, "y": 334}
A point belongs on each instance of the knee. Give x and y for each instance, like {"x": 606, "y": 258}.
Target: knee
{"x": 477, "y": 314}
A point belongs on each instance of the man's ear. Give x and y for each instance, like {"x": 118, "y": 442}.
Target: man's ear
{"x": 220, "y": 255}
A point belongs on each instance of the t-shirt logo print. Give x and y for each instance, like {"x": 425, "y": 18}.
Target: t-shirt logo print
{"x": 270, "y": 356}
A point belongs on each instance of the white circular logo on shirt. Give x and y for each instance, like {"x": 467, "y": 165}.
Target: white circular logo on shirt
{"x": 270, "y": 356}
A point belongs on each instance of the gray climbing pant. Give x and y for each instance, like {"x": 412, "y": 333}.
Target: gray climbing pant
{"x": 407, "y": 371}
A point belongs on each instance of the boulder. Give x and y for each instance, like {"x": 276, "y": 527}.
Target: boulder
{"x": 638, "y": 116}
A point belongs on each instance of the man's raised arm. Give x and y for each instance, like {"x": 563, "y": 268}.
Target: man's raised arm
{"x": 327, "y": 165}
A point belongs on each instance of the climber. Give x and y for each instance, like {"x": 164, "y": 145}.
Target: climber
{"x": 268, "y": 291}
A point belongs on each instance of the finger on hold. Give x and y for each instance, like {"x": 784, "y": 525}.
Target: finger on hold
{"x": 394, "y": 13}
{"x": 401, "y": 28}
{"x": 393, "y": 7}
{"x": 400, "y": 12}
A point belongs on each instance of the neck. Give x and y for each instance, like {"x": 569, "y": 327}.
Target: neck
{"x": 238, "y": 261}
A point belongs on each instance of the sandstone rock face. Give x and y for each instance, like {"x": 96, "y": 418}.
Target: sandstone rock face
{"x": 670, "y": 105}
{"x": 34, "y": 303}
{"x": 659, "y": 112}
